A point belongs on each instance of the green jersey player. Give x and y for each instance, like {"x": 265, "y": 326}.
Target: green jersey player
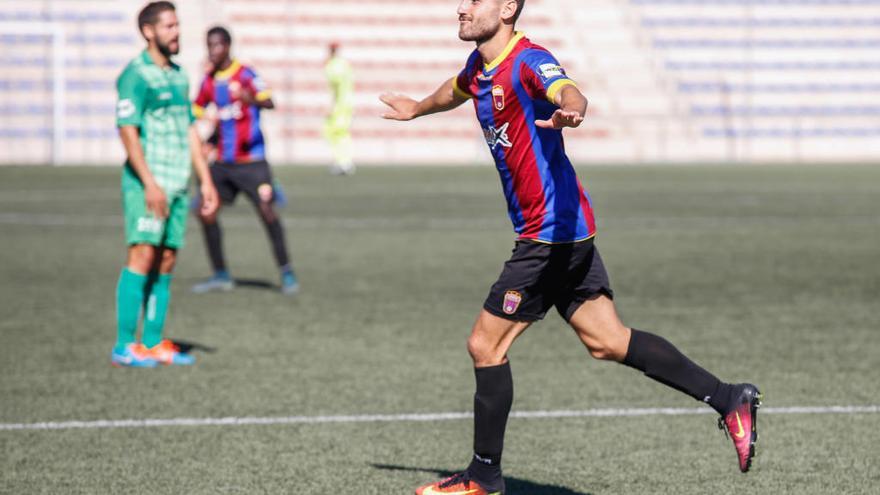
{"x": 155, "y": 123}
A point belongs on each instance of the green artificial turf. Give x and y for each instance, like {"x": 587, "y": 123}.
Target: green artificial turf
{"x": 769, "y": 274}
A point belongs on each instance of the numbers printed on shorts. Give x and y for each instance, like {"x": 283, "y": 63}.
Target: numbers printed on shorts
{"x": 149, "y": 224}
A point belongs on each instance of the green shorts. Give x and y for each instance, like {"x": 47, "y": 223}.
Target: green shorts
{"x": 141, "y": 226}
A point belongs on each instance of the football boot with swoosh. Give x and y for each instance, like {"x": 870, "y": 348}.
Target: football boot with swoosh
{"x": 741, "y": 422}
{"x": 457, "y": 484}
{"x": 167, "y": 352}
{"x": 133, "y": 355}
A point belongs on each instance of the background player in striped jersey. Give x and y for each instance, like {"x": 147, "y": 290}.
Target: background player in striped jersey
{"x": 238, "y": 95}
{"x": 523, "y": 99}
{"x": 155, "y": 123}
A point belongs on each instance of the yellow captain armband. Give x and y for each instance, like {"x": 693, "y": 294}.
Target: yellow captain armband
{"x": 458, "y": 91}
{"x": 198, "y": 111}
{"x": 263, "y": 95}
{"x": 556, "y": 87}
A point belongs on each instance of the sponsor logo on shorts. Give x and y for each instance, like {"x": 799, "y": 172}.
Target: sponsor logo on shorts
{"x": 498, "y": 96}
{"x": 149, "y": 224}
{"x": 512, "y": 299}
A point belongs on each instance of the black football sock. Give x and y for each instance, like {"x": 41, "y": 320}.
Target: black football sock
{"x": 214, "y": 242}
{"x": 276, "y": 236}
{"x": 492, "y": 402}
{"x": 660, "y": 360}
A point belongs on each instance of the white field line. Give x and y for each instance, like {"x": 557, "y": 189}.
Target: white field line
{"x": 416, "y": 417}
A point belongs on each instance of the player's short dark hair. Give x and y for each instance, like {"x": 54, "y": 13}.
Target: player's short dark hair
{"x": 222, "y": 32}
{"x": 519, "y": 6}
{"x": 150, "y": 13}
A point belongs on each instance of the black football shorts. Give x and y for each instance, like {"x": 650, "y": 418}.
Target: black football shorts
{"x": 539, "y": 276}
{"x": 254, "y": 179}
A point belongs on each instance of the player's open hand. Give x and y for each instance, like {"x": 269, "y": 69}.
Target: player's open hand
{"x": 156, "y": 201}
{"x": 402, "y": 107}
{"x": 210, "y": 201}
{"x": 561, "y": 118}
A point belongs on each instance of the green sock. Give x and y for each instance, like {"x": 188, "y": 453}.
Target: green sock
{"x": 156, "y": 309}
{"x": 129, "y": 298}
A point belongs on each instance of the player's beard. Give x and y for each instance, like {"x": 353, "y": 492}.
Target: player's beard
{"x": 167, "y": 49}
{"x": 479, "y": 32}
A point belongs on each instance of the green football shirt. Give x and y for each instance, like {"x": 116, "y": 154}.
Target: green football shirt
{"x": 156, "y": 100}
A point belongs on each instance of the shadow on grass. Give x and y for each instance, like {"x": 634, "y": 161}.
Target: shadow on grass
{"x": 187, "y": 346}
{"x": 514, "y": 486}
{"x": 250, "y": 283}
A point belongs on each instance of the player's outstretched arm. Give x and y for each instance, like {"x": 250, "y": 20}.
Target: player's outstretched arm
{"x": 405, "y": 108}
{"x": 572, "y": 109}
{"x": 259, "y": 100}
{"x": 153, "y": 194}
{"x": 209, "y": 192}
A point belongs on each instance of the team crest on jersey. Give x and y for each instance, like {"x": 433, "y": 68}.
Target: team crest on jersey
{"x": 512, "y": 299}
{"x": 497, "y": 136}
{"x": 498, "y": 97}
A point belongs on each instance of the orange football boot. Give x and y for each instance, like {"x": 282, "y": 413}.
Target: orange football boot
{"x": 165, "y": 352}
{"x": 457, "y": 484}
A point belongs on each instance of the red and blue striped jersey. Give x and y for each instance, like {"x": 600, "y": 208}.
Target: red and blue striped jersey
{"x": 239, "y": 138}
{"x": 545, "y": 199}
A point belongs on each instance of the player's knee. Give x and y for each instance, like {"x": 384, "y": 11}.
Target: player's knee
{"x": 603, "y": 339}
{"x": 483, "y": 352}
{"x": 141, "y": 258}
{"x": 610, "y": 347}
{"x": 169, "y": 259}
{"x": 208, "y": 219}
{"x": 600, "y": 351}
{"x": 474, "y": 348}
{"x": 477, "y": 348}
